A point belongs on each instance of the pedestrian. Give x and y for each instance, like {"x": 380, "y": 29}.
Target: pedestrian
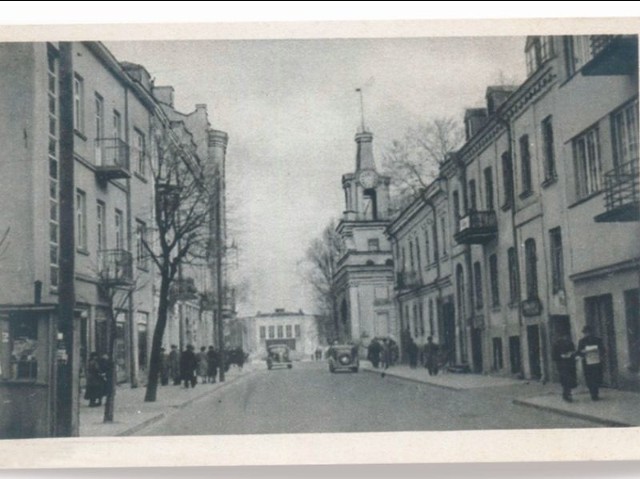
{"x": 412, "y": 352}
{"x": 564, "y": 354}
{"x": 431, "y": 356}
{"x": 174, "y": 365}
{"x": 385, "y": 355}
{"x": 212, "y": 364}
{"x": 188, "y": 367}
{"x": 591, "y": 350}
{"x": 164, "y": 367}
{"x": 96, "y": 386}
{"x": 373, "y": 353}
{"x": 107, "y": 371}
{"x": 203, "y": 364}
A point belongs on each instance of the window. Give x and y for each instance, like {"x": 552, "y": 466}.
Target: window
{"x": 456, "y": 210}
{"x": 461, "y": 294}
{"x": 20, "y": 335}
{"x": 586, "y": 157}
{"x": 498, "y": 362}
{"x": 418, "y": 259}
{"x": 473, "y": 204}
{"x": 272, "y": 332}
{"x": 624, "y": 131}
{"x": 421, "y": 315}
{"x": 263, "y": 332}
{"x": 280, "y": 332}
{"x": 431, "y": 318}
{"x": 289, "y": 331}
{"x": 404, "y": 264}
{"x": 495, "y": 287}
{"x": 117, "y": 125}
{"x": 507, "y": 180}
{"x": 427, "y": 251}
{"x": 539, "y": 50}
{"x": 78, "y": 103}
{"x": 416, "y": 326}
{"x": 548, "y": 152}
{"x": 531, "y": 268}
{"x": 525, "y": 163}
{"x": 143, "y": 322}
{"x": 52, "y": 105}
{"x": 411, "y": 255}
{"x": 99, "y": 125}
{"x": 577, "y": 51}
{"x": 101, "y": 226}
{"x": 443, "y": 226}
{"x": 373, "y": 244}
{"x": 514, "y": 287}
{"x": 296, "y": 329}
{"x": 81, "y": 220}
{"x": 477, "y": 280}
{"x": 488, "y": 188}
{"x": 407, "y": 318}
{"x": 557, "y": 265}
{"x": 138, "y": 153}
{"x": 119, "y": 229}
{"x": 141, "y": 237}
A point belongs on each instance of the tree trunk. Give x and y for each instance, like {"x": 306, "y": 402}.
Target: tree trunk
{"x": 158, "y": 334}
{"x": 111, "y": 367}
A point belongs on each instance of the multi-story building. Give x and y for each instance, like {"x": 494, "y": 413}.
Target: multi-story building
{"x": 80, "y": 132}
{"x": 364, "y": 273}
{"x": 547, "y": 167}
{"x": 297, "y": 330}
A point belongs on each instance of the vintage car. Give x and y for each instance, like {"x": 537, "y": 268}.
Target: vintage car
{"x": 278, "y": 356}
{"x": 343, "y": 357}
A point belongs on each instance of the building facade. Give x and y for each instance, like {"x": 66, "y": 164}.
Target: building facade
{"x": 298, "y": 331}
{"x": 364, "y": 274}
{"x": 547, "y": 167}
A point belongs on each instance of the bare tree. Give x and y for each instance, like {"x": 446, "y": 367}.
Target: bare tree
{"x": 413, "y": 161}
{"x": 183, "y": 205}
{"x": 321, "y": 264}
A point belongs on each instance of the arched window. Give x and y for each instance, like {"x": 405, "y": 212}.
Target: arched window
{"x": 531, "y": 268}
{"x": 461, "y": 292}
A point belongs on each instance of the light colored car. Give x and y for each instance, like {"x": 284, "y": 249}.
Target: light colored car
{"x": 343, "y": 357}
{"x": 278, "y": 355}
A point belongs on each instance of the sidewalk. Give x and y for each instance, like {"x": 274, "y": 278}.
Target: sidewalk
{"x": 616, "y": 408}
{"x": 133, "y": 414}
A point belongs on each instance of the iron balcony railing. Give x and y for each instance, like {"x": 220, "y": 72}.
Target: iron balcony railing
{"x": 112, "y": 158}
{"x": 477, "y": 227}
{"x": 622, "y": 185}
{"x": 116, "y": 266}
{"x": 600, "y": 42}
{"x": 407, "y": 279}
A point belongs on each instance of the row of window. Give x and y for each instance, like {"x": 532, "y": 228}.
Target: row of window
{"x": 137, "y": 149}
{"x": 431, "y": 248}
{"x": 101, "y": 229}
{"x": 280, "y": 331}
{"x": 416, "y": 323}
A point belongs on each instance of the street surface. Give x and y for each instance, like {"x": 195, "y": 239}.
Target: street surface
{"x": 309, "y": 399}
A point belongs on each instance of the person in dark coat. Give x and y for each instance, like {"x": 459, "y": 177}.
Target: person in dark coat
{"x": 203, "y": 364}
{"x": 412, "y": 351}
{"x": 212, "y": 365}
{"x": 174, "y": 365}
{"x": 164, "y": 367}
{"x": 591, "y": 350}
{"x": 373, "y": 353}
{"x": 188, "y": 367}
{"x": 563, "y": 353}
{"x": 96, "y": 384}
{"x": 431, "y": 356}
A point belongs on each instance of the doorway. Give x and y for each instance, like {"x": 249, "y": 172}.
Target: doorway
{"x": 533, "y": 340}
{"x": 449, "y": 331}
{"x": 599, "y": 312}
{"x": 476, "y": 349}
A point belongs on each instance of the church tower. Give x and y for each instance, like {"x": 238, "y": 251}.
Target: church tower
{"x": 364, "y": 276}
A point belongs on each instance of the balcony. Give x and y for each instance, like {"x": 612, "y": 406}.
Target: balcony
{"x": 612, "y": 55}
{"x": 621, "y": 194}
{"x": 111, "y": 159}
{"x": 478, "y": 227}
{"x": 531, "y": 307}
{"x": 116, "y": 267}
{"x": 408, "y": 280}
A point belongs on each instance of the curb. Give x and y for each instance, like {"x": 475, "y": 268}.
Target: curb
{"x": 142, "y": 425}
{"x": 413, "y": 380}
{"x": 220, "y": 385}
{"x": 575, "y": 414}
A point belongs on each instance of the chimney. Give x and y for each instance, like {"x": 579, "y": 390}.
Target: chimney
{"x": 474, "y": 119}
{"x": 138, "y": 73}
{"x": 164, "y": 94}
{"x": 497, "y": 95}
{"x": 201, "y": 106}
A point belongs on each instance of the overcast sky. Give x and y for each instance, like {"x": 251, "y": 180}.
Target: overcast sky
{"x": 291, "y": 112}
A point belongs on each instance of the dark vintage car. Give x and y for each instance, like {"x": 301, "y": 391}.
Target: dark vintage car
{"x": 343, "y": 357}
{"x": 278, "y": 356}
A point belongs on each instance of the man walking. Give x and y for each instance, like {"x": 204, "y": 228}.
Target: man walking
{"x": 591, "y": 349}
{"x": 174, "y": 365}
{"x": 563, "y": 353}
{"x": 431, "y": 356}
{"x": 188, "y": 366}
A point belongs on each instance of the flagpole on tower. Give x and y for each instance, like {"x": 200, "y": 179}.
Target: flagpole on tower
{"x": 359, "y": 90}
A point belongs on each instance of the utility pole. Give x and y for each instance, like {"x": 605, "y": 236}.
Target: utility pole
{"x": 67, "y": 374}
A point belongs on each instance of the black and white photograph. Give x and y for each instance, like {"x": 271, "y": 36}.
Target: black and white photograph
{"x": 320, "y": 235}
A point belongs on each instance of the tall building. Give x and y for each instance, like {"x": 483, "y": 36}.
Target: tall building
{"x": 364, "y": 274}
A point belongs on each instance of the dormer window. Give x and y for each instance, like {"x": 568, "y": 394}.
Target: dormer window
{"x": 538, "y": 51}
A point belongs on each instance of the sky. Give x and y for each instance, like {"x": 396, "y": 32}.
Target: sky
{"x": 291, "y": 112}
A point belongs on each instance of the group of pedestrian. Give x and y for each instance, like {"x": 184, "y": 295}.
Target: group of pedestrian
{"x": 187, "y": 366}
{"x": 98, "y": 377}
{"x": 591, "y": 351}
{"x": 382, "y": 352}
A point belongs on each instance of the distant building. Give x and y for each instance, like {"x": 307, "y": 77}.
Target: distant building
{"x": 298, "y": 330}
{"x": 364, "y": 274}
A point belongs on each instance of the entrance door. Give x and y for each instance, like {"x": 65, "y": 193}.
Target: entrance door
{"x": 533, "y": 339}
{"x": 514, "y": 354}
{"x": 632, "y": 307}
{"x": 599, "y": 310}
{"x": 476, "y": 349}
{"x": 449, "y": 331}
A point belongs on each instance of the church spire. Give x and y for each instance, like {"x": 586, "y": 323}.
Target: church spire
{"x": 364, "y": 139}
